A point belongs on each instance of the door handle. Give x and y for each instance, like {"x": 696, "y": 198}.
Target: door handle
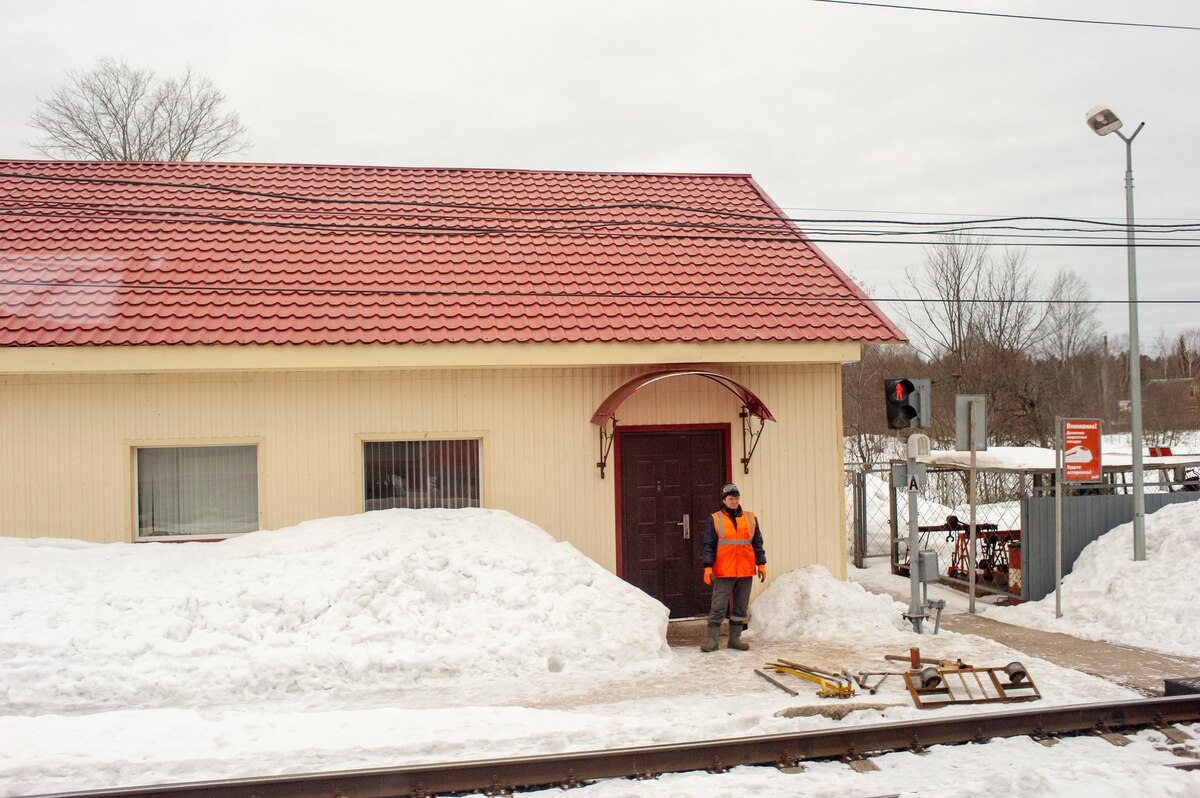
{"x": 686, "y": 523}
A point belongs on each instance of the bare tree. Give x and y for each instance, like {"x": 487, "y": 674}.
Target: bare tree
{"x": 945, "y": 318}
{"x": 980, "y": 319}
{"x": 1072, "y": 327}
{"x": 1185, "y": 353}
{"x": 1011, "y": 317}
{"x": 116, "y": 113}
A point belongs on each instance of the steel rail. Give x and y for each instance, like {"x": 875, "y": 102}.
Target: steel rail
{"x": 497, "y": 776}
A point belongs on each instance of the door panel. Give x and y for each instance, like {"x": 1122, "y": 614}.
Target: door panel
{"x": 664, "y": 476}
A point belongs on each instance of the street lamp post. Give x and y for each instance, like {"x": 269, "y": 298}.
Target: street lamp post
{"x": 1103, "y": 121}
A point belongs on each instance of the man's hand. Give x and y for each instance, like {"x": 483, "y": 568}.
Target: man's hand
{"x": 762, "y": 573}
{"x": 708, "y": 576}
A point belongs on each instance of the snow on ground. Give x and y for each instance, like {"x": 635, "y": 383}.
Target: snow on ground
{"x": 1084, "y": 767}
{"x": 810, "y": 604}
{"x": 1110, "y": 596}
{"x": 365, "y": 603}
{"x": 402, "y": 637}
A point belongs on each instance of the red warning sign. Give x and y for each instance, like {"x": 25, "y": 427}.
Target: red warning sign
{"x": 1081, "y": 449}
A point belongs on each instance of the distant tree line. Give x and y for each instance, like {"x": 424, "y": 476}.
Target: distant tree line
{"x": 984, "y": 324}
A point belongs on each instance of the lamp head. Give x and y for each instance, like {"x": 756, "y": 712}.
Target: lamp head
{"x": 1102, "y": 120}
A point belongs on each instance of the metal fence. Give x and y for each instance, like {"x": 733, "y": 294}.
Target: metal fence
{"x": 877, "y": 518}
{"x": 1085, "y": 518}
{"x": 1006, "y": 524}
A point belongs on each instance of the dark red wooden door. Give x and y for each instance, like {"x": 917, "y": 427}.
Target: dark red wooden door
{"x": 665, "y": 476}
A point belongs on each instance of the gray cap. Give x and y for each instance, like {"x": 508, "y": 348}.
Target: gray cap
{"x": 729, "y": 489}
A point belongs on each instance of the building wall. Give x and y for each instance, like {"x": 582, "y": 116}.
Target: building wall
{"x": 66, "y": 466}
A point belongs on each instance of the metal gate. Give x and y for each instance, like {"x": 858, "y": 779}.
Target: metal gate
{"x": 869, "y": 527}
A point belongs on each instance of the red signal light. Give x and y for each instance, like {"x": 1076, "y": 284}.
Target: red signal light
{"x": 904, "y": 402}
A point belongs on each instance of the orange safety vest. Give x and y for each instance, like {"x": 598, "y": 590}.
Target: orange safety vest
{"x": 735, "y": 555}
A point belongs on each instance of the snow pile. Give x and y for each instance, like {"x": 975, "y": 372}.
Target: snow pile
{"x": 810, "y": 604}
{"x": 1108, "y": 596}
{"x": 387, "y": 600}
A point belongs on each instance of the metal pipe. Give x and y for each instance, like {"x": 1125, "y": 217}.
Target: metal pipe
{"x": 915, "y": 611}
{"x": 973, "y": 498}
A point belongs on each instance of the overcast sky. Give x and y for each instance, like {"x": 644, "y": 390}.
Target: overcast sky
{"x": 837, "y": 110}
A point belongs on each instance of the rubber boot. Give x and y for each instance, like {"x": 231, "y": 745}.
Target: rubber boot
{"x": 735, "y": 637}
{"x": 710, "y": 644}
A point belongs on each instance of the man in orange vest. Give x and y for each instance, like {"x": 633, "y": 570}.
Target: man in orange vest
{"x": 733, "y": 552}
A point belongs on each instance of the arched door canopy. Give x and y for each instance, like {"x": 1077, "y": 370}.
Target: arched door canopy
{"x": 605, "y": 416}
{"x": 608, "y": 408}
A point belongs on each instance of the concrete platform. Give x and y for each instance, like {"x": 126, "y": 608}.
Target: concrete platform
{"x": 1135, "y": 668}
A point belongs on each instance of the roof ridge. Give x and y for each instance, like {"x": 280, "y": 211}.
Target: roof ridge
{"x": 393, "y": 168}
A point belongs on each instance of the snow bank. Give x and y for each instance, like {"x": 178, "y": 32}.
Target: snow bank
{"x": 381, "y": 601}
{"x": 1108, "y": 596}
{"x": 809, "y": 604}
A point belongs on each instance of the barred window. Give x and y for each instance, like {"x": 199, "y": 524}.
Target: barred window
{"x": 420, "y": 474}
{"x": 196, "y": 491}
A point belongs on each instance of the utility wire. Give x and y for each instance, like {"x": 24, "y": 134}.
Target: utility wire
{"x": 988, "y": 234}
{"x": 1009, "y": 16}
{"x": 428, "y": 292}
{"x": 128, "y": 212}
{"x": 594, "y": 229}
{"x": 356, "y": 201}
{"x": 972, "y": 217}
{"x": 812, "y": 226}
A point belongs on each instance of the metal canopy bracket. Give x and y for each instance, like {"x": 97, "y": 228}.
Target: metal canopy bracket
{"x": 605, "y": 416}
{"x": 750, "y": 436}
{"x": 608, "y": 433}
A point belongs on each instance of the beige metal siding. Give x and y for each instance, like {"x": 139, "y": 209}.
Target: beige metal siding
{"x": 65, "y": 466}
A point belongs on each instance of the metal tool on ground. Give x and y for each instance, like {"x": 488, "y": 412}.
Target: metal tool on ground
{"x": 916, "y": 663}
{"x": 831, "y": 685}
{"x": 862, "y": 679}
{"x": 782, "y": 687}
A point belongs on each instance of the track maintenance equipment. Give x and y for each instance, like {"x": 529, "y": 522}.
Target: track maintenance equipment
{"x": 829, "y": 685}
{"x": 777, "y": 683}
{"x": 939, "y": 682}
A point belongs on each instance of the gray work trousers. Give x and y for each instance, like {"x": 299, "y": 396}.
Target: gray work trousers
{"x": 739, "y": 587}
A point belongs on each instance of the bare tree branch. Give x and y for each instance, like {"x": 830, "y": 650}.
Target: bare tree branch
{"x": 116, "y": 113}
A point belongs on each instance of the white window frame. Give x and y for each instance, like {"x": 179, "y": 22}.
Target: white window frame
{"x": 133, "y": 447}
{"x": 360, "y": 441}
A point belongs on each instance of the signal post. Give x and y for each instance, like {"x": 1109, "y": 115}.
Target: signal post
{"x": 909, "y": 407}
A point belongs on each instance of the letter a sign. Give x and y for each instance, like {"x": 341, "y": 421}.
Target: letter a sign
{"x": 1080, "y": 449}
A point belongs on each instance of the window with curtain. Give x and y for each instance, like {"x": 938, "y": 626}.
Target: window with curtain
{"x": 196, "y": 491}
{"x": 419, "y": 474}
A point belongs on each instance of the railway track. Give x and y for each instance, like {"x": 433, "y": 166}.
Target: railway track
{"x": 500, "y": 776}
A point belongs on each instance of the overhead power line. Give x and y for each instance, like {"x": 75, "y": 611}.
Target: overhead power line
{"x": 433, "y": 225}
{"x": 1010, "y": 16}
{"x": 526, "y": 294}
{"x": 101, "y": 210}
{"x": 358, "y": 203}
{"x": 604, "y": 228}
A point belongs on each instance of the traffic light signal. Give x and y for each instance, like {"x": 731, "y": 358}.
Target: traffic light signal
{"x": 908, "y": 403}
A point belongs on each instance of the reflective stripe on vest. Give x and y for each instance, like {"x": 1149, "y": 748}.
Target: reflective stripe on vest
{"x": 737, "y": 559}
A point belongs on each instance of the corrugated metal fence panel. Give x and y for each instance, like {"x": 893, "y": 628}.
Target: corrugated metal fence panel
{"x": 1085, "y": 518}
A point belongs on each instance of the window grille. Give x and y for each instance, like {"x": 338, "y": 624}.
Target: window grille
{"x": 196, "y": 491}
{"x": 421, "y": 474}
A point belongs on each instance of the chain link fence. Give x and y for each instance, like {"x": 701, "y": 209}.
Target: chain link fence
{"x": 877, "y": 519}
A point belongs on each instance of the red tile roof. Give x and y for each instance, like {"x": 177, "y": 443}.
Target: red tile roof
{"x": 232, "y": 253}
